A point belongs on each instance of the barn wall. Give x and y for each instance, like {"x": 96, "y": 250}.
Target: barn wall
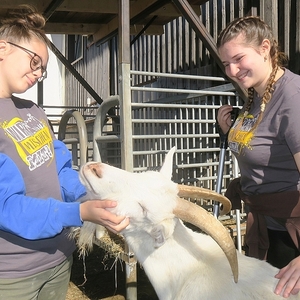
{"x": 179, "y": 50}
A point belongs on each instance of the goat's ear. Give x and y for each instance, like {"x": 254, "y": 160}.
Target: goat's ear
{"x": 167, "y": 167}
{"x": 158, "y": 235}
{"x": 162, "y": 231}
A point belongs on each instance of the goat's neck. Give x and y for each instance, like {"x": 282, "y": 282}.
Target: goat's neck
{"x": 179, "y": 252}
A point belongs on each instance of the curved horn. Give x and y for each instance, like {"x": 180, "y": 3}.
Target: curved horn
{"x": 198, "y": 192}
{"x": 196, "y": 215}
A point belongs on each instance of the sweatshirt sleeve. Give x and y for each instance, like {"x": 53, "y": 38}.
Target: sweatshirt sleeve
{"x": 29, "y": 217}
{"x": 71, "y": 187}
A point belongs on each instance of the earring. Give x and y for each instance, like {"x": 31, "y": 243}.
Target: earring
{"x": 265, "y": 58}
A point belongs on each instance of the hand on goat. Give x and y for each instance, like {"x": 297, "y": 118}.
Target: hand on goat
{"x": 289, "y": 279}
{"x": 95, "y": 211}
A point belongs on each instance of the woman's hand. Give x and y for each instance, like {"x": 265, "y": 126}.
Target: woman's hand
{"x": 224, "y": 117}
{"x": 96, "y": 211}
{"x": 289, "y": 279}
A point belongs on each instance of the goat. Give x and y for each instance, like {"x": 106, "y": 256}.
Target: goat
{"x": 180, "y": 263}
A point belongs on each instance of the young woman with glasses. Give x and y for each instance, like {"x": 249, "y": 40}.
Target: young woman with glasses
{"x": 38, "y": 187}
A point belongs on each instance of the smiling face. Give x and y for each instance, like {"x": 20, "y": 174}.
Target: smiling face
{"x": 246, "y": 64}
{"x": 16, "y": 74}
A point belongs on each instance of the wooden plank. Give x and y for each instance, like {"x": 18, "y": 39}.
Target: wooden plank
{"x": 105, "y": 30}
{"x": 151, "y": 30}
{"x": 268, "y": 12}
{"x": 40, "y": 5}
{"x": 95, "y": 6}
{"x": 71, "y": 28}
{"x": 169, "y": 10}
{"x": 204, "y": 35}
{"x": 287, "y": 13}
{"x": 89, "y": 29}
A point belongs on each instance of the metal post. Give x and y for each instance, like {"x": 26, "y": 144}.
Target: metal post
{"x": 237, "y": 211}
{"x": 216, "y": 209}
{"x": 126, "y": 120}
{"x": 124, "y": 86}
{"x": 40, "y": 94}
{"x": 223, "y": 147}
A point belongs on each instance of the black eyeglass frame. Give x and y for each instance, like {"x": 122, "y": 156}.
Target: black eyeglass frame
{"x": 44, "y": 71}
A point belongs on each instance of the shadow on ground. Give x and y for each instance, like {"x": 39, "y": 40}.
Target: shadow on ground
{"x": 102, "y": 277}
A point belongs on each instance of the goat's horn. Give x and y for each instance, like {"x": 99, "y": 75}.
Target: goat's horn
{"x": 198, "y": 192}
{"x": 196, "y": 215}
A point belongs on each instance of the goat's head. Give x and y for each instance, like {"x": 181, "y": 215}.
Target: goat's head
{"x": 151, "y": 197}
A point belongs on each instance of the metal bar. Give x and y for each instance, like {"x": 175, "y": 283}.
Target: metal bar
{"x": 169, "y": 121}
{"x": 197, "y": 92}
{"x": 70, "y": 107}
{"x": 238, "y": 230}
{"x": 185, "y": 76}
{"x": 98, "y": 125}
{"x": 124, "y": 86}
{"x": 108, "y": 138}
{"x": 40, "y": 93}
{"x": 198, "y": 150}
{"x": 82, "y": 131}
{"x": 216, "y": 210}
{"x": 125, "y": 122}
{"x": 174, "y": 105}
{"x": 174, "y": 136}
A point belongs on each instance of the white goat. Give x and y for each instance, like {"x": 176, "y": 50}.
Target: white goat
{"x": 180, "y": 263}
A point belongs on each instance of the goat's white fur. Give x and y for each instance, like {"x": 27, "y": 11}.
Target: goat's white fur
{"x": 181, "y": 264}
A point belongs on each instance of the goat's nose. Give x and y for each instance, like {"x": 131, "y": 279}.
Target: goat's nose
{"x": 95, "y": 168}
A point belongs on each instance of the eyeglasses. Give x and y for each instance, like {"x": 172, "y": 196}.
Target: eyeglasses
{"x": 36, "y": 61}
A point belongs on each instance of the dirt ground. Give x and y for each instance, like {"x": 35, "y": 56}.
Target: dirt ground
{"x": 101, "y": 277}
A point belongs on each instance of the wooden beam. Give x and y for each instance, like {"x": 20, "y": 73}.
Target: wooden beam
{"x": 92, "y": 6}
{"x": 75, "y": 73}
{"x": 89, "y": 29}
{"x": 105, "y": 30}
{"x": 51, "y": 8}
{"x": 151, "y": 30}
{"x": 71, "y": 28}
{"x": 268, "y": 12}
{"x": 40, "y": 5}
{"x": 170, "y": 10}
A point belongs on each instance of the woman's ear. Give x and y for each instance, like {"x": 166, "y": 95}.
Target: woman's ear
{"x": 3, "y": 48}
{"x": 265, "y": 47}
